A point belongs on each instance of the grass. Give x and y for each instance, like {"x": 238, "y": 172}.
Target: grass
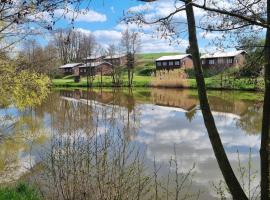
{"x": 155, "y": 55}
{"x": 21, "y": 191}
{"x": 229, "y": 84}
{"x": 138, "y": 81}
{"x": 147, "y": 81}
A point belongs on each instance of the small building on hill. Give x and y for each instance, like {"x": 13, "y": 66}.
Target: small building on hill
{"x": 174, "y": 62}
{"x": 118, "y": 60}
{"x": 224, "y": 59}
{"x": 70, "y": 68}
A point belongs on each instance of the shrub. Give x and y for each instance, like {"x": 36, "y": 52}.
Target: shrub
{"x": 146, "y": 72}
{"x": 206, "y": 72}
{"x": 21, "y": 191}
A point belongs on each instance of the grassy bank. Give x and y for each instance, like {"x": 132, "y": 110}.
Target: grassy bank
{"x": 19, "y": 192}
{"x": 145, "y": 81}
{"x": 230, "y": 84}
{"x": 138, "y": 81}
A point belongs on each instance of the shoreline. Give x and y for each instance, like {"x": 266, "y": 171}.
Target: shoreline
{"x": 159, "y": 87}
{"x": 242, "y": 84}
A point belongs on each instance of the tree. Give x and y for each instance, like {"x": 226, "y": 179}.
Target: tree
{"x": 116, "y": 69}
{"x": 131, "y": 44}
{"x": 21, "y": 87}
{"x": 73, "y": 45}
{"x": 254, "y": 58}
{"x": 17, "y": 16}
{"x": 34, "y": 57}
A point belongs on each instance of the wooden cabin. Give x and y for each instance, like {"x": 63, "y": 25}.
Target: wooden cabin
{"x": 118, "y": 60}
{"x": 174, "y": 62}
{"x": 70, "y": 68}
{"x": 224, "y": 59}
{"x": 94, "y": 68}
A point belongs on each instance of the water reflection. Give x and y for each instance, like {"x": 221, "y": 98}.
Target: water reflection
{"x": 154, "y": 120}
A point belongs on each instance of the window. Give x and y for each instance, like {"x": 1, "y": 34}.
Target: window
{"x": 158, "y": 64}
{"x": 164, "y": 63}
{"x": 211, "y": 62}
{"x": 230, "y": 60}
{"x": 177, "y": 63}
{"x": 170, "y": 63}
{"x": 84, "y": 70}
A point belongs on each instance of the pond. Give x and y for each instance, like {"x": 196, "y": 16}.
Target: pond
{"x": 162, "y": 129}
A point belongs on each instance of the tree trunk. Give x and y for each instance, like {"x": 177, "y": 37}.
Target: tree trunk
{"x": 224, "y": 164}
{"x": 101, "y": 76}
{"x": 265, "y": 151}
{"x": 129, "y": 77}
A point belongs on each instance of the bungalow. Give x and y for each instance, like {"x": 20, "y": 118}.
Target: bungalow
{"x": 174, "y": 62}
{"x": 70, "y": 68}
{"x": 118, "y": 60}
{"x": 224, "y": 59}
{"x": 93, "y": 68}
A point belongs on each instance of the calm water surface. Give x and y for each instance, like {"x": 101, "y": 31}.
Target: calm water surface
{"x": 159, "y": 121}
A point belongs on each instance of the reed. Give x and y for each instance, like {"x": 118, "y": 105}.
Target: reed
{"x": 169, "y": 79}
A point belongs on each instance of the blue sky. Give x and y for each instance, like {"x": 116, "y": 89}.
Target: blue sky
{"x": 103, "y": 21}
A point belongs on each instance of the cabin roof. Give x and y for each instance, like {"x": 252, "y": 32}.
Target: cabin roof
{"x": 94, "y": 64}
{"x": 70, "y": 65}
{"x": 173, "y": 57}
{"x": 93, "y": 57}
{"x": 115, "y": 56}
{"x": 223, "y": 54}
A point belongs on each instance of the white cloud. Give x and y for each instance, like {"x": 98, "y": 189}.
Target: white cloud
{"x": 148, "y": 42}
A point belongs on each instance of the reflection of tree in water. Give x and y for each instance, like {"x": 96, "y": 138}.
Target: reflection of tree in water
{"x": 25, "y": 130}
{"x": 191, "y": 114}
{"x": 110, "y": 105}
{"x": 251, "y": 120}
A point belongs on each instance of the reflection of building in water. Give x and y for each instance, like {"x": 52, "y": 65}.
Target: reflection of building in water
{"x": 174, "y": 98}
{"x": 220, "y": 101}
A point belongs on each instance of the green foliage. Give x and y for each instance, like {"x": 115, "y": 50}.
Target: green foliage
{"x": 22, "y": 88}
{"x": 21, "y": 191}
{"x": 207, "y": 73}
{"x": 254, "y": 58}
